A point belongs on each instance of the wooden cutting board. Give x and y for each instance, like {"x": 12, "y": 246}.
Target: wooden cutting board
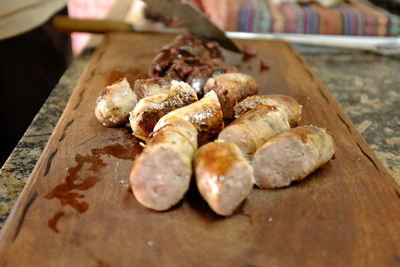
{"x": 77, "y": 209}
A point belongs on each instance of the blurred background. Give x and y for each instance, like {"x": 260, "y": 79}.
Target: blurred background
{"x": 339, "y": 17}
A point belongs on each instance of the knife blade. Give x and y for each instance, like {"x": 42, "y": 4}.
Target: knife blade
{"x": 196, "y": 22}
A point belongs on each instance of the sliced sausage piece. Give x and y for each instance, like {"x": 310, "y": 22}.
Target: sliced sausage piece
{"x": 254, "y": 128}
{"x": 161, "y": 174}
{"x": 287, "y": 103}
{"x": 291, "y": 156}
{"x": 205, "y": 114}
{"x": 151, "y": 86}
{"x": 150, "y": 109}
{"x": 231, "y": 88}
{"x": 223, "y": 176}
{"x": 114, "y": 104}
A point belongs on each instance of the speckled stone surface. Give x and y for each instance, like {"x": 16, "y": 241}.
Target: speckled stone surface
{"x": 366, "y": 85}
{"x": 16, "y": 170}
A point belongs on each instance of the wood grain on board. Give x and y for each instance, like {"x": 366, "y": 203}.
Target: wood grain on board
{"x": 77, "y": 209}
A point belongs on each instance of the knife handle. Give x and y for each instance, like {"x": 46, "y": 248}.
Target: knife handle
{"x": 67, "y": 25}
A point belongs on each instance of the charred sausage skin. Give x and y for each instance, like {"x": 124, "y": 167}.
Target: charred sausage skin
{"x": 205, "y": 114}
{"x": 150, "y": 109}
{"x": 231, "y": 88}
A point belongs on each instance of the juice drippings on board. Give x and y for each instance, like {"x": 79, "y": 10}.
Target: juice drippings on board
{"x": 70, "y": 191}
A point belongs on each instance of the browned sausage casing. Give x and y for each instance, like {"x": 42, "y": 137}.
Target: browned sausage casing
{"x": 205, "y": 114}
{"x": 254, "y": 128}
{"x": 291, "y": 156}
{"x": 287, "y": 103}
{"x": 150, "y": 109}
{"x": 231, "y": 88}
{"x": 161, "y": 174}
{"x": 223, "y": 176}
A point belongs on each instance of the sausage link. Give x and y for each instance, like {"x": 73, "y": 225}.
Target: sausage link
{"x": 151, "y": 86}
{"x": 287, "y": 103}
{"x": 114, "y": 104}
{"x": 161, "y": 174}
{"x": 223, "y": 176}
{"x": 254, "y": 128}
{"x": 205, "y": 114}
{"x": 231, "y": 88}
{"x": 291, "y": 156}
{"x": 150, "y": 109}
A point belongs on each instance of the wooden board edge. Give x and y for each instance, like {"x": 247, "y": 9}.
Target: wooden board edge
{"x": 20, "y": 208}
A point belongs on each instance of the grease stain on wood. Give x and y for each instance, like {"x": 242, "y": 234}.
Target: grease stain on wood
{"x": 264, "y": 65}
{"x": 74, "y": 181}
{"x": 53, "y": 221}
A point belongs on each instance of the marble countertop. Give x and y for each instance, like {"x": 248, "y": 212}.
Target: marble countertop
{"x": 366, "y": 86}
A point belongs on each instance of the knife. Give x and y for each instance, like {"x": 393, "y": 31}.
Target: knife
{"x": 196, "y": 22}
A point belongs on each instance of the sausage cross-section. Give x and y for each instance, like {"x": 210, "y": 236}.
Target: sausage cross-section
{"x": 114, "y": 104}
{"x": 151, "y": 86}
{"x": 150, "y": 109}
{"x": 161, "y": 174}
{"x": 287, "y": 103}
{"x": 223, "y": 176}
{"x": 231, "y": 88}
{"x": 205, "y": 114}
{"x": 291, "y": 156}
{"x": 254, "y": 128}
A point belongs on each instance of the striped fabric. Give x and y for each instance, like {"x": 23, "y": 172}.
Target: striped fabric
{"x": 353, "y": 17}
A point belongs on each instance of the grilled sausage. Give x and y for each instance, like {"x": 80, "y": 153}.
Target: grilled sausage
{"x": 182, "y": 47}
{"x": 151, "y": 86}
{"x": 150, "y": 109}
{"x": 205, "y": 114}
{"x": 231, "y": 88}
{"x": 114, "y": 104}
{"x": 291, "y": 156}
{"x": 287, "y": 103}
{"x": 254, "y": 128}
{"x": 161, "y": 174}
{"x": 223, "y": 176}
